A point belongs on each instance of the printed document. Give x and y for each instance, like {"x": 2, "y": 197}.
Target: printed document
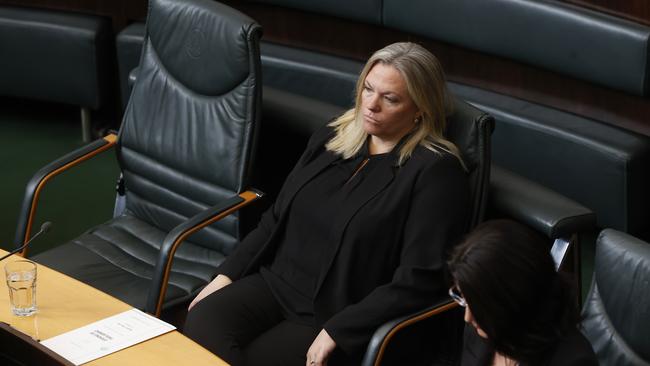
{"x": 106, "y": 336}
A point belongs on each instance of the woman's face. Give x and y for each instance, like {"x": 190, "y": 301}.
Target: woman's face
{"x": 469, "y": 318}
{"x": 389, "y": 113}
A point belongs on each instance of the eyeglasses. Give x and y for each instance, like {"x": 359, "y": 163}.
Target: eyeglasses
{"x": 456, "y": 296}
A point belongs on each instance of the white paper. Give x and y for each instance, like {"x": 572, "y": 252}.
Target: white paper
{"x": 106, "y": 336}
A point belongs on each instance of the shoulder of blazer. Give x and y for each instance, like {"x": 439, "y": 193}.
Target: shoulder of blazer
{"x": 435, "y": 160}
{"x": 321, "y": 136}
{"x": 318, "y": 140}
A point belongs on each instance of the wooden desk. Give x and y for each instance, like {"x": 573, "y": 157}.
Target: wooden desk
{"x": 65, "y": 304}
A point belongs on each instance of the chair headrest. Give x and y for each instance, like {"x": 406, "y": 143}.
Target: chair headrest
{"x": 463, "y": 128}
{"x": 201, "y": 29}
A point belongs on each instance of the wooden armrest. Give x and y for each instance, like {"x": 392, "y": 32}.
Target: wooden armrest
{"x": 38, "y": 181}
{"x": 382, "y": 336}
{"x": 177, "y": 236}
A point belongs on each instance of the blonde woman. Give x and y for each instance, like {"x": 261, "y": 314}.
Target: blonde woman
{"x": 358, "y": 233}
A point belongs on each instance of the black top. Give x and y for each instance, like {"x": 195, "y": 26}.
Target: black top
{"x": 389, "y": 238}
{"x": 292, "y": 275}
{"x": 572, "y": 350}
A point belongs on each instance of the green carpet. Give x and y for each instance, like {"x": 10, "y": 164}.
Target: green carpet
{"x": 32, "y": 134}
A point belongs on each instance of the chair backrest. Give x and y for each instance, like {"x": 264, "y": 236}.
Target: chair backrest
{"x": 471, "y": 130}
{"x": 616, "y": 314}
{"x": 187, "y": 137}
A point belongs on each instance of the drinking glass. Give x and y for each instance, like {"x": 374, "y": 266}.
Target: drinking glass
{"x": 21, "y": 281}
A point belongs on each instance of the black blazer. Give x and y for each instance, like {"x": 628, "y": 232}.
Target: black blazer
{"x": 572, "y": 350}
{"x": 392, "y": 242}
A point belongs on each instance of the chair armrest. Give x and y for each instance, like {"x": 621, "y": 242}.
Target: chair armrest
{"x": 383, "y": 334}
{"x": 179, "y": 233}
{"x": 38, "y": 181}
{"x": 537, "y": 206}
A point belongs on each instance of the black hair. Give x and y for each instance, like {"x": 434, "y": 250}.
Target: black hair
{"x": 506, "y": 274}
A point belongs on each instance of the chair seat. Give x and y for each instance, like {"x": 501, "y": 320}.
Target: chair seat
{"x": 125, "y": 270}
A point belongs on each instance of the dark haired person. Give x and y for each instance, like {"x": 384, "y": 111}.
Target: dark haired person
{"x": 518, "y": 309}
{"x": 357, "y": 235}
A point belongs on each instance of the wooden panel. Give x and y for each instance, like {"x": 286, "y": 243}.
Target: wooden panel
{"x": 121, "y": 12}
{"x": 357, "y": 41}
{"x": 635, "y": 10}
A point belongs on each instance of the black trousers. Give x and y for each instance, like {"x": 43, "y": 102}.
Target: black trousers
{"x": 243, "y": 324}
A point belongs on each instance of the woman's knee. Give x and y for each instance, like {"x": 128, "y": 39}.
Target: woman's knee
{"x": 211, "y": 327}
{"x": 232, "y": 317}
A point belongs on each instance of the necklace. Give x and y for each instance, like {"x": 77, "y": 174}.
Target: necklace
{"x": 363, "y": 163}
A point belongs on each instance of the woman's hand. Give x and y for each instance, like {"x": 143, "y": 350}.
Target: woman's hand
{"x": 320, "y": 350}
{"x": 218, "y": 283}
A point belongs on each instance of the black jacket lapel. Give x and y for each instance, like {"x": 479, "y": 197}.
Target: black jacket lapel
{"x": 304, "y": 175}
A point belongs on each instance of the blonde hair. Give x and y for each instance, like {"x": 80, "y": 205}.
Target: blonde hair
{"x": 425, "y": 82}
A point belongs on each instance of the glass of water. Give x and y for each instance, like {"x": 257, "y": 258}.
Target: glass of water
{"x": 21, "y": 281}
